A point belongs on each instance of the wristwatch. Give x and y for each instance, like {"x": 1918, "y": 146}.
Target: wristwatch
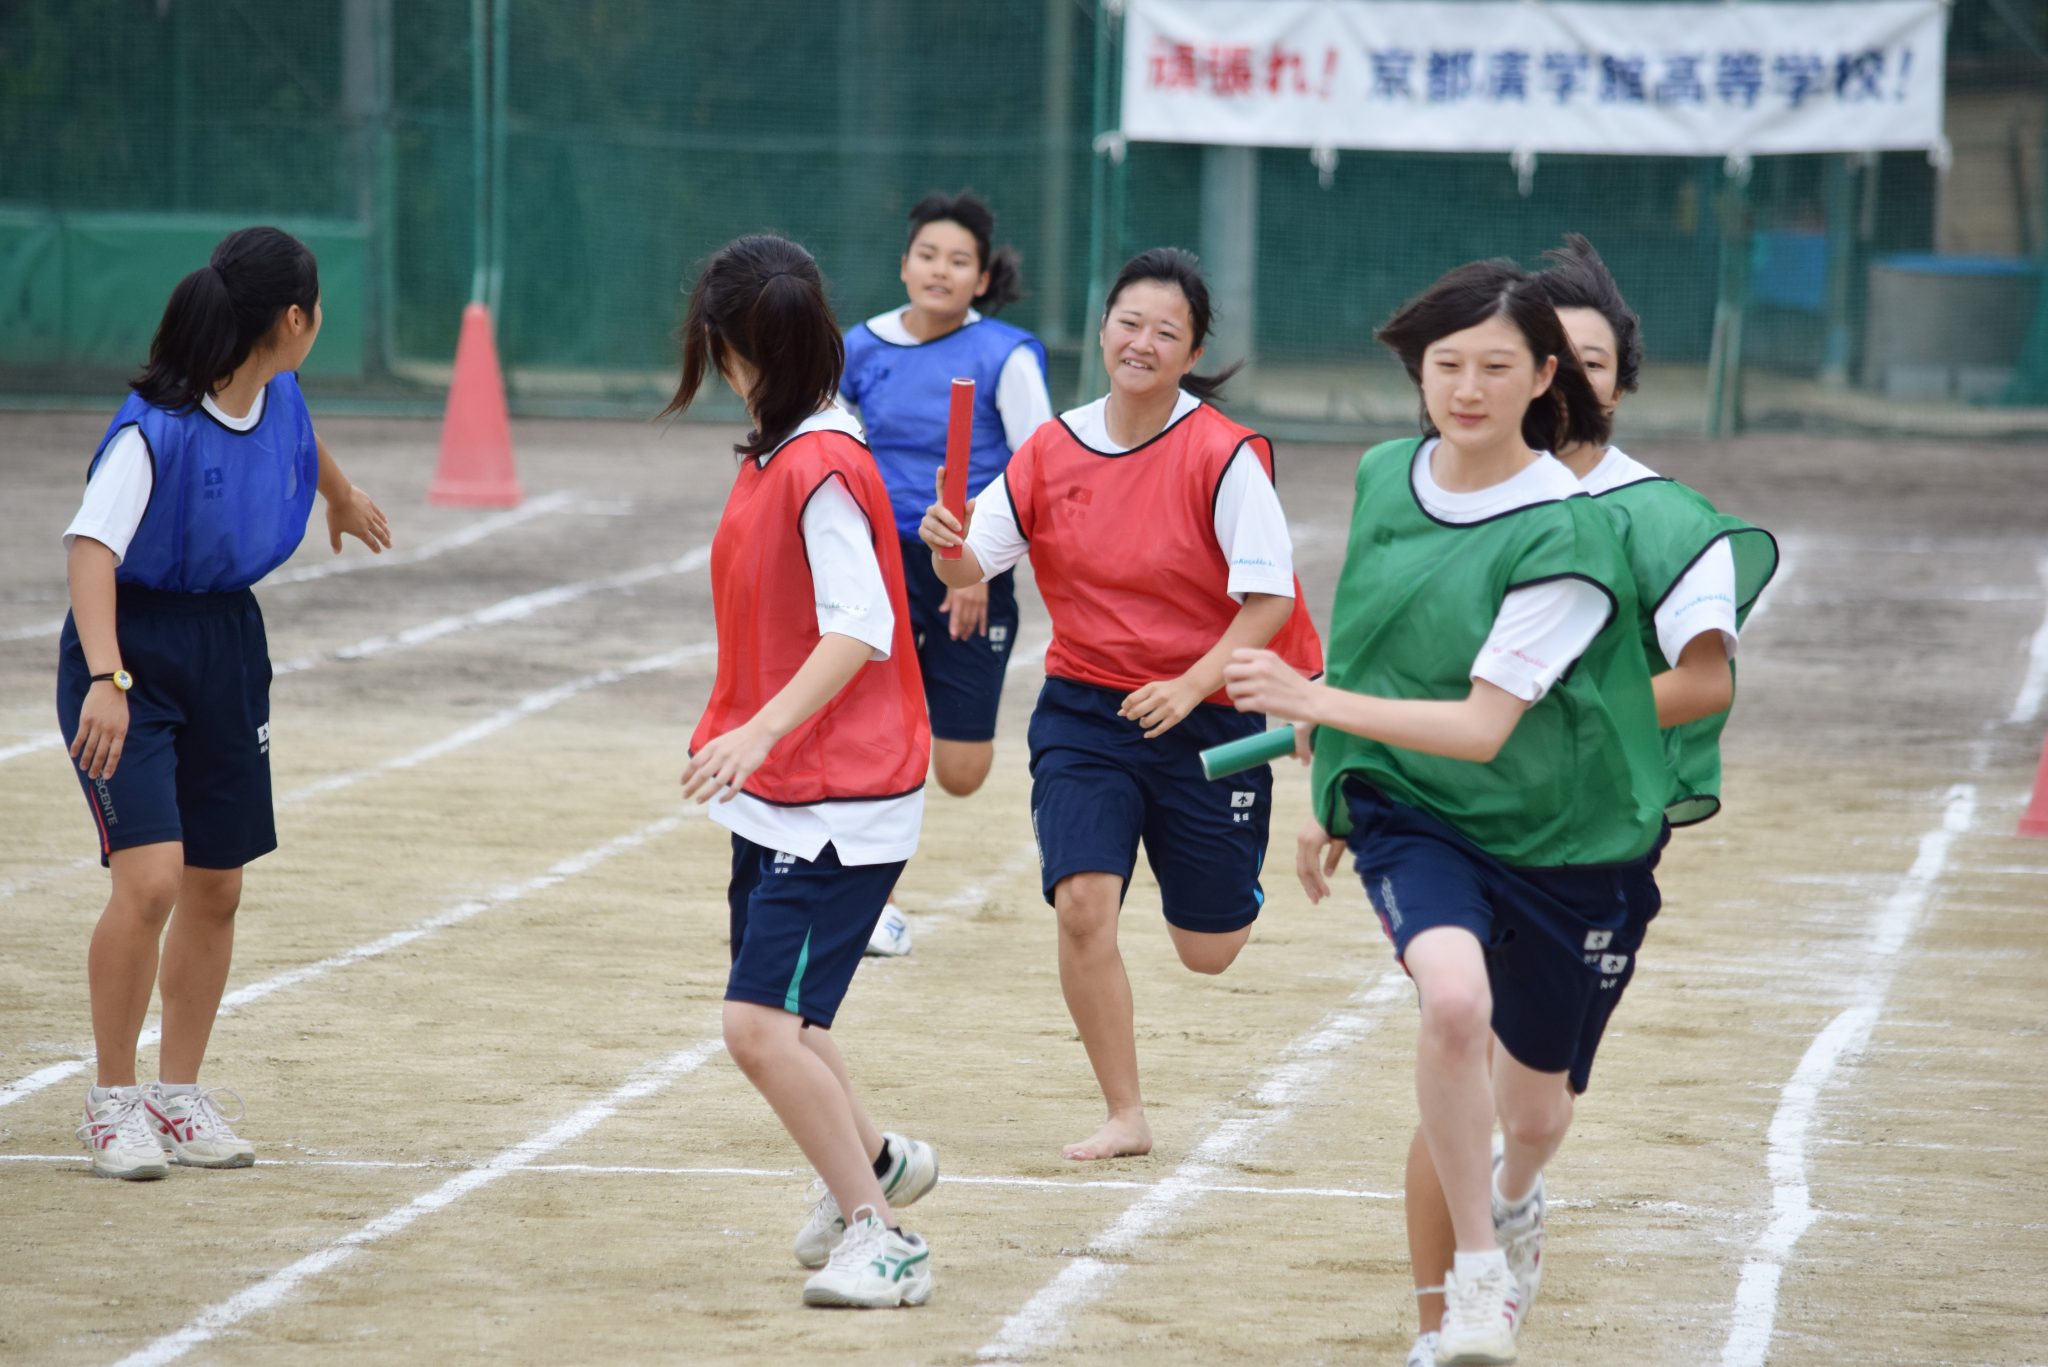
{"x": 120, "y": 679}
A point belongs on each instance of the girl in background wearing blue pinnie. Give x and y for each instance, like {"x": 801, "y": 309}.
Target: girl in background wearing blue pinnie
{"x": 900, "y": 366}
{"x": 201, "y": 486}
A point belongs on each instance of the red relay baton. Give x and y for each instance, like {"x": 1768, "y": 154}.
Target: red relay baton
{"x": 959, "y": 445}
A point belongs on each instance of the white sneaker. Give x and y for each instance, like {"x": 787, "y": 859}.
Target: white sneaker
{"x": 192, "y": 1130}
{"x": 1519, "y": 1229}
{"x": 913, "y": 1171}
{"x": 117, "y": 1135}
{"x": 874, "y": 1268}
{"x": 1480, "y": 1319}
{"x": 1423, "y": 1352}
{"x": 891, "y": 939}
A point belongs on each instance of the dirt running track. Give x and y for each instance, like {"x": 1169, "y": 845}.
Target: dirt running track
{"x": 1814, "y": 1135}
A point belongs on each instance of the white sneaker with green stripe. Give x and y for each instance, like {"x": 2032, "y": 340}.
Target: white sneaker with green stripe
{"x": 913, "y": 1171}
{"x": 874, "y": 1268}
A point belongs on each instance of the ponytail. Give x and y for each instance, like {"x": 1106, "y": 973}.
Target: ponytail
{"x": 762, "y": 299}
{"x": 1005, "y": 268}
{"x": 219, "y": 313}
{"x": 1182, "y": 270}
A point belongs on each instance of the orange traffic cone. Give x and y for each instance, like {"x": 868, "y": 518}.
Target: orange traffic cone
{"x": 2035, "y": 822}
{"x": 476, "y": 436}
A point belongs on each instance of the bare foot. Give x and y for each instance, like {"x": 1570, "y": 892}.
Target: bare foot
{"x": 1121, "y": 1136}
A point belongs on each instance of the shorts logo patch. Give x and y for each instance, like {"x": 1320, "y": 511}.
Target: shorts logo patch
{"x": 1613, "y": 963}
{"x": 263, "y": 739}
{"x": 1243, "y": 799}
{"x": 1389, "y": 906}
{"x": 784, "y": 862}
{"x": 1599, "y": 939}
{"x": 998, "y": 635}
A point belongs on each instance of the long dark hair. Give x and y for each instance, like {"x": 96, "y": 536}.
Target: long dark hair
{"x": 1564, "y": 415}
{"x": 761, "y": 298}
{"x": 218, "y": 314}
{"x": 1182, "y": 270}
{"x": 1005, "y": 268}
{"x": 1577, "y": 278}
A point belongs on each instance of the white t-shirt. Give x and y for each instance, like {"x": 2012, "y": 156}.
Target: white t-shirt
{"x": 1703, "y": 599}
{"x": 846, "y": 581}
{"x": 118, "y": 493}
{"x": 1541, "y": 629}
{"x": 1021, "y": 396}
{"x": 1249, "y": 523}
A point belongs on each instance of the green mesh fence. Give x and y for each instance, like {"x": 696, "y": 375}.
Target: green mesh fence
{"x": 636, "y": 135}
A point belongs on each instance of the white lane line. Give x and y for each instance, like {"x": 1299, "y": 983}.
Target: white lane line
{"x": 278, "y": 1286}
{"x": 1304, "y": 1065}
{"x": 348, "y": 564}
{"x": 952, "y": 1179}
{"x": 1755, "y": 1314}
{"x": 560, "y": 872}
{"x": 530, "y": 705}
{"x": 2027, "y": 705}
{"x": 508, "y": 610}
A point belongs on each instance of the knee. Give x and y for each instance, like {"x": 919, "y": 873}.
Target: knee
{"x": 1210, "y": 958}
{"x": 751, "y": 1036}
{"x": 1087, "y": 911}
{"x": 962, "y": 775}
{"x": 1538, "y": 1122}
{"x": 146, "y": 898}
{"x": 1458, "y": 1017}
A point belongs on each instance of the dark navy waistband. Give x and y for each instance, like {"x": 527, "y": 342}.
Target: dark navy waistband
{"x": 136, "y": 598}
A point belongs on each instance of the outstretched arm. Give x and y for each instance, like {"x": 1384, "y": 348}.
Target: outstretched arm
{"x": 349, "y": 510}
{"x": 1473, "y": 727}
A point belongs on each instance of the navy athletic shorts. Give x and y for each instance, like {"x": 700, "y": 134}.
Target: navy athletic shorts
{"x": 799, "y": 926}
{"x": 1098, "y": 787}
{"x": 195, "y": 766}
{"x": 963, "y": 680}
{"x": 1560, "y": 942}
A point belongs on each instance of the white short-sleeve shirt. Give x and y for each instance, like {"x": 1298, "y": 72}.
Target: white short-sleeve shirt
{"x": 1249, "y": 523}
{"x": 1540, "y": 629}
{"x": 118, "y": 493}
{"x": 1703, "y": 599}
{"x": 1022, "y": 399}
{"x": 851, "y": 600}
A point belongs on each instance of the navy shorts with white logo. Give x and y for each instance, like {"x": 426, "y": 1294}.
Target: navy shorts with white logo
{"x": 1098, "y": 788}
{"x": 195, "y": 766}
{"x": 800, "y": 926}
{"x": 1560, "y": 942}
{"x": 963, "y": 680}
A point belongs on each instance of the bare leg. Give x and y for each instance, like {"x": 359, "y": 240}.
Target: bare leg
{"x": 196, "y": 956}
{"x": 961, "y": 766}
{"x": 1431, "y": 1241}
{"x": 809, "y": 1100}
{"x": 820, "y": 1043}
{"x": 1535, "y": 1112}
{"x": 120, "y": 966}
{"x": 1098, "y": 993}
{"x": 1451, "y": 1082}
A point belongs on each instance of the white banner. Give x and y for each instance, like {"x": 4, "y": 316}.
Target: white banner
{"x": 1702, "y": 79}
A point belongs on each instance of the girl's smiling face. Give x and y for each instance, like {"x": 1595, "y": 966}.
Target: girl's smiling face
{"x": 942, "y": 272}
{"x": 1147, "y": 339}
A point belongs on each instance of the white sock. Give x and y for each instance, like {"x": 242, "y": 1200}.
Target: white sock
{"x": 1467, "y": 1266}
{"x": 99, "y": 1094}
{"x": 179, "y": 1088}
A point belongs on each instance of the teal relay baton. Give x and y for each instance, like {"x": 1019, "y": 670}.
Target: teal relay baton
{"x": 1221, "y": 761}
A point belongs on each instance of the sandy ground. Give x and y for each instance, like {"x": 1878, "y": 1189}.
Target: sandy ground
{"x": 491, "y": 785}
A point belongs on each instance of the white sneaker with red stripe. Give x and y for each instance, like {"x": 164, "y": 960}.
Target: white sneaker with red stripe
{"x": 1481, "y": 1314}
{"x": 192, "y": 1131}
{"x": 117, "y": 1134}
{"x": 1519, "y": 1231}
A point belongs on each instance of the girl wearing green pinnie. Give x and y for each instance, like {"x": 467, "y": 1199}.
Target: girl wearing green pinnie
{"x": 1486, "y": 742}
{"x": 1697, "y": 573}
